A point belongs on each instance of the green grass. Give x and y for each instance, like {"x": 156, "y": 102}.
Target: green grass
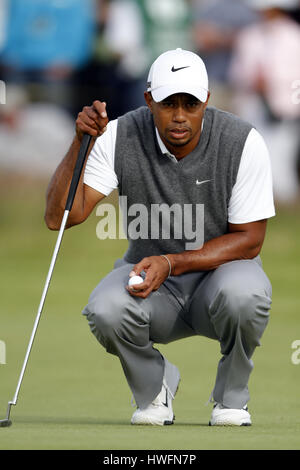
{"x": 74, "y": 395}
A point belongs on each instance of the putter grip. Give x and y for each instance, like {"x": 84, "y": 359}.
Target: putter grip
{"x": 85, "y": 143}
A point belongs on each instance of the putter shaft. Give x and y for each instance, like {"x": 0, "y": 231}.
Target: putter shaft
{"x": 40, "y": 309}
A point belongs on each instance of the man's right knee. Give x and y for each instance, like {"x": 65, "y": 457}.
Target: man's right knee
{"x": 105, "y": 312}
{"x": 104, "y": 321}
{"x": 113, "y": 316}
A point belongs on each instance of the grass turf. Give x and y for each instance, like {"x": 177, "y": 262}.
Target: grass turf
{"x": 74, "y": 395}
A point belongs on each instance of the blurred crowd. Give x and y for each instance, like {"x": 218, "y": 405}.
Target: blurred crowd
{"x": 58, "y": 55}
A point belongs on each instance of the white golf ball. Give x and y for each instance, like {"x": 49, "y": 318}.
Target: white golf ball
{"x": 135, "y": 280}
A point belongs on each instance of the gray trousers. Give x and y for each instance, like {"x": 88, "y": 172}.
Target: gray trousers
{"x": 229, "y": 304}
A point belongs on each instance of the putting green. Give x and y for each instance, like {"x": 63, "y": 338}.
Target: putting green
{"x": 74, "y": 395}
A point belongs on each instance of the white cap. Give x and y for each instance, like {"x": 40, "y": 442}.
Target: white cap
{"x": 178, "y": 71}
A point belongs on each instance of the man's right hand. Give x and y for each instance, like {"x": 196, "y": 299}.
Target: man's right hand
{"x": 92, "y": 120}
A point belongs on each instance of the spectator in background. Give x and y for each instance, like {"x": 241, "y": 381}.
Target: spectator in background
{"x": 33, "y": 136}
{"x": 137, "y": 31}
{"x": 264, "y": 70}
{"x": 46, "y": 41}
{"x": 215, "y": 26}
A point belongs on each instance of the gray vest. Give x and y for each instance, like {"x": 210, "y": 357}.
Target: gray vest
{"x": 168, "y": 206}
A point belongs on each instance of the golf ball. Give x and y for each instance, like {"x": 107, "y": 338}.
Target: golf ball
{"x": 135, "y": 280}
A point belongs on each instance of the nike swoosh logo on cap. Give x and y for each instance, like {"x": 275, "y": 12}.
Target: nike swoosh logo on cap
{"x": 179, "y": 68}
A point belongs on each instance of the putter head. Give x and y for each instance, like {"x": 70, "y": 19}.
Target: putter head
{"x": 5, "y": 423}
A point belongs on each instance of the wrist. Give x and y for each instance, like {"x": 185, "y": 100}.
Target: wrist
{"x": 172, "y": 259}
{"x": 166, "y": 257}
{"x": 177, "y": 264}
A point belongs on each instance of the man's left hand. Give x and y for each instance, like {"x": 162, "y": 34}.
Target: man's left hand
{"x": 156, "y": 269}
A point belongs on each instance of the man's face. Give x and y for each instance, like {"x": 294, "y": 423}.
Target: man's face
{"x": 178, "y": 119}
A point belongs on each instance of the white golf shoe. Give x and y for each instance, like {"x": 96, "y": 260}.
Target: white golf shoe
{"x": 222, "y": 416}
{"x": 159, "y": 412}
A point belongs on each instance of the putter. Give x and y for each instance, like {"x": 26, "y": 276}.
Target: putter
{"x": 72, "y": 191}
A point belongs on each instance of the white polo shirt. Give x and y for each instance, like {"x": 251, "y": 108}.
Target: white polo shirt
{"x": 252, "y": 194}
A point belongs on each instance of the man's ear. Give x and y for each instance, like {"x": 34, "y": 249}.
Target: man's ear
{"x": 207, "y": 100}
{"x": 148, "y": 99}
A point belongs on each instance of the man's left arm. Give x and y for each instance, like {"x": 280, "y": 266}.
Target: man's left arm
{"x": 243, "y": 241}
